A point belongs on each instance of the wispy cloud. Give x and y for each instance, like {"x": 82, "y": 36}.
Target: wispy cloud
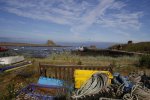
{"x": 91, "y": 16}
{"x": 78, "y": 15}
{"x": 121, "y": 20}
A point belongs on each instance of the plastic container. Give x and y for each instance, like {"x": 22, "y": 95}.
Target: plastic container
{"x": 81, "y": 76}
{"x": 50, "y": 81}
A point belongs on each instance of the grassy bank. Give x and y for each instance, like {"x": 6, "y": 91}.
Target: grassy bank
{"x": 68, "y": 58}
{"x": 124, "y": 64}
{"x": 22, "y": 77}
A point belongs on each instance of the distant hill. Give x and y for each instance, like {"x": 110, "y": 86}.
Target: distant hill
{"x": 49, "y": 43}
{"x": 141, "y": 47}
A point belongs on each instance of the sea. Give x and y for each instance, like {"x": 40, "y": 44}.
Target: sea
{"x": 68, "y": 46}
{"x": 41, "y": 52}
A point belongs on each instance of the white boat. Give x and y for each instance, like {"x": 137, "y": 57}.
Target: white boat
{"x": 54, "y": 49}
{"x": 11, "y": 59}
{"x": 44, "y": 49}
{"x": 81, "y": 48}
{"x": 16, "y": 49}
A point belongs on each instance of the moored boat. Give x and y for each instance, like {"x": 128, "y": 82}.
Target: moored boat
{"x": 11, "y": 59}
{"x": 2, "y": 49}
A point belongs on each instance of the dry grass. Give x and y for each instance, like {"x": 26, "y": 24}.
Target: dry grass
{"x": 68, "y": 58}
{"x": 122, "y": 64}
{"x": 13, "y": 77}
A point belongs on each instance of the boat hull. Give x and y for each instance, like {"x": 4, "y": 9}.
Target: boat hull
{"x": 11, "y": 59}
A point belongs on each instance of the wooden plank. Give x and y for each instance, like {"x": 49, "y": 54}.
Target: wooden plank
{"x": 56, "y": 73}
{"x": 68, "y": 76}
{"x": 50, "y": 65}
{"x": 55, "y": 69}
{"x": 66, "y": 72}
{"x": 62, "y": 73}
{"x": 52, "y": 72}
{"x": 59, "y": 73}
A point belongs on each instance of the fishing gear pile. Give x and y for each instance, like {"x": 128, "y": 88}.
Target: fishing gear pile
{"x": 129, "y": 87}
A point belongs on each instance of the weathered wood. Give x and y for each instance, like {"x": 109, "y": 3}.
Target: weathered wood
{"x": 55, "y": 69}
{"x": 66, "y": 72}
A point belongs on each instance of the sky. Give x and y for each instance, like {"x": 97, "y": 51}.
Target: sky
{"x": 75, "y": 20}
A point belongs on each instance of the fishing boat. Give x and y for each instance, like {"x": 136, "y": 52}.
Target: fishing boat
{"x": 15, "y": 66}
{"x": 2, "y": 49}
{"x": 11, "y": 59}
{"x": 16, "y": 49}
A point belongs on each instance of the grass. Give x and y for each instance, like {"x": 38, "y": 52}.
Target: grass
{"x": 14, "y": 81}
{"x": 68, "y": 58}
{"x": 123, "y": 64}
{"x": 143, "y": 47}
{"x": 144, "y": 61}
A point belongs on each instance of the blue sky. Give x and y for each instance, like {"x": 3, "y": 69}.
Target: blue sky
{"x": 75, "y": 20}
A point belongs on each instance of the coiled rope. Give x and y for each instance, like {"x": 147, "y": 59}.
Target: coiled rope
{"x": 98, "y": 82}
{"x": 138, "y": 91}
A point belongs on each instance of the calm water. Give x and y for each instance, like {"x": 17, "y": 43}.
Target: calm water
{"x": 38, "y": 52}
{"x": 47, "y": 51}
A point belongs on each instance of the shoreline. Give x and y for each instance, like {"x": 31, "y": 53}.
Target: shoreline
{"x": 30, "y": 45}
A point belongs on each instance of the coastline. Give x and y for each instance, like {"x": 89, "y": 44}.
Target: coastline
{"x": 29, "y": 45}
